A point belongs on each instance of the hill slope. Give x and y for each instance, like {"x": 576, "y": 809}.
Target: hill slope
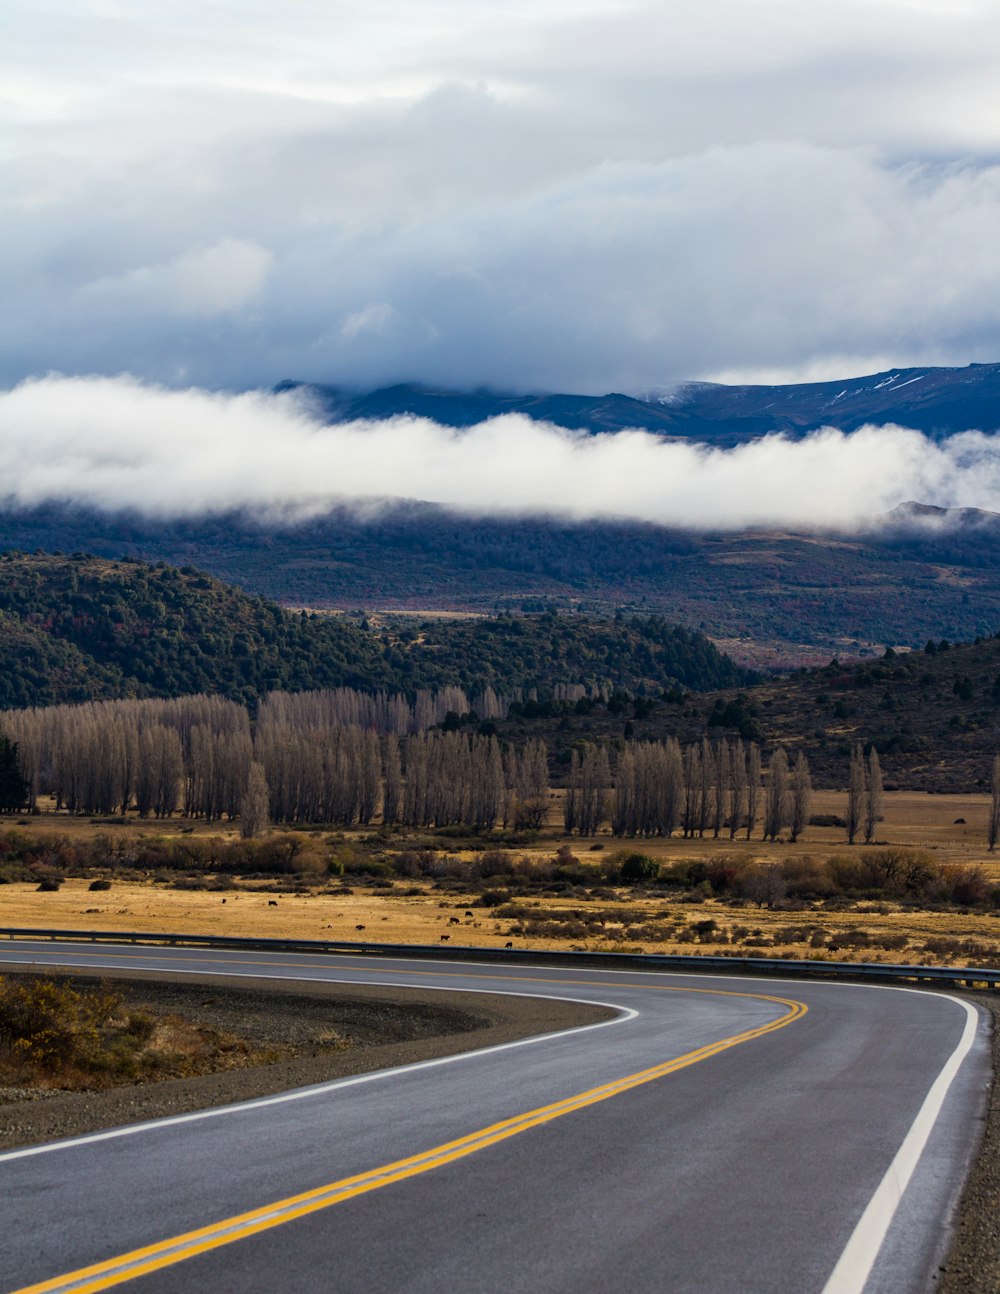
{"x": 77, "y": 628}
{"x": 933, "y": 714}
{"x": 791, "y": 598}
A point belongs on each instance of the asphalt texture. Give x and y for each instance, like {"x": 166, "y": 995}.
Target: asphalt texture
{"x": 743, "y": 1169}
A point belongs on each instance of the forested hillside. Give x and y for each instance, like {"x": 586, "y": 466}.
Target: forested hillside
{"x": 791, "y": 597}
{"x": 933, "y": 715}
{"x": 81, "y": 628}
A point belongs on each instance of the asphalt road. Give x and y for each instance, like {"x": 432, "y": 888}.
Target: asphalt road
{"x": 720, "y": 1135}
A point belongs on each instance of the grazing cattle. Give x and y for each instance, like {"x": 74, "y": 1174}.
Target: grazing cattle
{"x": 508, "y": 944}
{"x": 223, "y": 900}
{"x": 359, "y": 927}
{"x": 445, "y": 938}
{"x": 271, "y": 903}
{"x": 468, "y": 914}
{"x": 453, "y": 921}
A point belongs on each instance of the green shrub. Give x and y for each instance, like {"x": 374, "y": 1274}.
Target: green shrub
{"x": 639, "y": 868}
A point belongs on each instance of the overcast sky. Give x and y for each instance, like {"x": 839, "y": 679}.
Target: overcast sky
{"x": 578, "y": 195}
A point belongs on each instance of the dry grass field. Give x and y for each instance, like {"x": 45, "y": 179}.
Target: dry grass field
{"x": 404, "y": 910}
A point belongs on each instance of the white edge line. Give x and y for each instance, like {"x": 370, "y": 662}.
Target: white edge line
{"x": 858, "y": 1258}
{"x": 624, "y": 1014}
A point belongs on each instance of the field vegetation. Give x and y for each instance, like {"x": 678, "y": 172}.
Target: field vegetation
{"x": 926, "y": 890}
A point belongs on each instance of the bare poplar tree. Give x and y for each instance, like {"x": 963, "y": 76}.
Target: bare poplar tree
{"x": 753, "y": 786}
{"x": 776, "y": 795}
{"x": 721, "y": 788}
{"x": 623, "y": 816}
{"x": 737, "y": 788}
{"x": 705, "y": 791}
{"x": 692, "y": 786}
{"x": 673, "y": 787}
{"x": 873, "y": 795}
{"x": 392, "y": 784}
{"x": 801, "y": 796}
{"x": 572, "y": 800}
{"x": 855, "y": 792}
{"x": 993, "y": 828}
{"x": 254, "y": 806}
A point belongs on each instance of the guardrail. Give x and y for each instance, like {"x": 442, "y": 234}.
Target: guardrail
{"x": 967, "y": 976}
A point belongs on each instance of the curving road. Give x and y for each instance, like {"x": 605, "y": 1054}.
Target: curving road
{"x": 718, "y": 1136}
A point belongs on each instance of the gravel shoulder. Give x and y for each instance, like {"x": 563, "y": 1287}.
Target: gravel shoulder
{"x": 973, "y": 1264}
{"x": 381, "y": 1028}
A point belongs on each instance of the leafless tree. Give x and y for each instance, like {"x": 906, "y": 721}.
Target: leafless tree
{"x": 873, "y": 795}
{"x": 776, "y": 795}
{"x": 737, "y": 788}
{"x": 254, "y": 806}
{"x": 801, "y": 797}
{"x": 721, "y": 787}
{"x": 993, "y": 827}
{"x": 753, "y": 785}
{"x": 855, "y": 792}
{"x": 392, "y": 782}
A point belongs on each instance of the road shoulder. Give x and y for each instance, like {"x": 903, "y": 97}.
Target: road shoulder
{"x": 388, "y": 1027}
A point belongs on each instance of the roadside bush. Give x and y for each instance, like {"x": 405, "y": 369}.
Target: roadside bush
{"x": 99, "y": 885}
{"x": 47, "y": 1024}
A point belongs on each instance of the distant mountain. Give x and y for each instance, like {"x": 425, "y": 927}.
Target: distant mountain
{"x": 925, "y": 516}
{"x": 467, "y": 408}
{"x": 937, "y": 401}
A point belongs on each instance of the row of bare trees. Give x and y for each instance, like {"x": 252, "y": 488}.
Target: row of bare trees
{"x": 864, "y": 794}
{"x": 301, "y": 762}
{"x": 343, "y": 757}
{"x": 703, "y": 788}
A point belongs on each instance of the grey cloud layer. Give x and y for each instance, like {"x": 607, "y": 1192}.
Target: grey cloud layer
{"x": 588, "y": 195}
{"x": 118, "y": 443}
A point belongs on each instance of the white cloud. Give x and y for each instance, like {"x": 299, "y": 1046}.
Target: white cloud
{"x": 205, "y": 281}
{"x": 587, "y": 194}
{"x": 118, "y": 443}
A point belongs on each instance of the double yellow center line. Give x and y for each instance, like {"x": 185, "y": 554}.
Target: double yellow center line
{"x": 165, "y": 1253}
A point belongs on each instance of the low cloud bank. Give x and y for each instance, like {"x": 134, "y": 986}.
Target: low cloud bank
{"x": 115, "y": 443}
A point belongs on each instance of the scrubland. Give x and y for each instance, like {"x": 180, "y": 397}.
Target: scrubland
{"x": 926, "y": 890}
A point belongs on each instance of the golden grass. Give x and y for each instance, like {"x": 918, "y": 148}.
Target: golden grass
{"x": 913, "y": 819}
